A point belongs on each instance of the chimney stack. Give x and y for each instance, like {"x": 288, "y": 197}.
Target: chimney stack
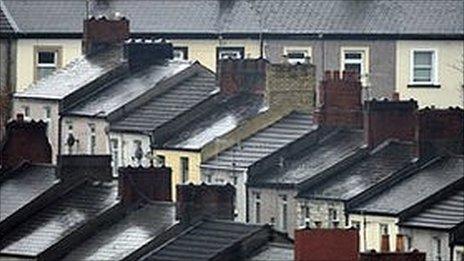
{"x": 386, "y": 119}
{"x": 101, "y": 33}
{"x": 385, "y": 244}
{"x": 242, "y": 76}
{"x": 93, "y": 167}
{"x": 340, "y": 102}
{"x": 400, "y": 243}
{"x": 145, "y": 52}
{"x": 205, "y": 201}
{"x": 144, "y": 184}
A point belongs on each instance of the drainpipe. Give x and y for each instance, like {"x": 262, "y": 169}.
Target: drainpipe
{"x": 364, "y": 230}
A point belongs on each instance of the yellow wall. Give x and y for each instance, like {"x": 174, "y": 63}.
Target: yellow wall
{"x": 205, "y": 50}
{"x": 173, "y": 161}
{"x": 71, "y": 49}
{"x": 450, "y": 73}
{"x": 371, "y": 231}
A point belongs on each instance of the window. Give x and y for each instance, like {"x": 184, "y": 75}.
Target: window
{"x": 356, "y": 60}
{"x": 47, "y": 112}
{"x": 437, "y": 249}
{"x": 92, "y": 139}
{"x": 138, "y": 152}
{"x": 257, "y": 207}
{"x": 180, "y": 53}
{"x": 356, "y": 224}
{"x": 383, "y": 229}
{"x": 230, "y": 53}
{"x": 423, "y": 67}
{"x": 115, "y": 155}
{"x": 47, "y": 60}
{"x": 70, "y": 139}
{"x": 304, "y": 221}
{"x": 184, "y": 168}
{"x": 27, "y": 112}
{"x": 234, "y": 180}
{"x": 333, "y": 218}
{"x": 283, "y": 212}
{"x": 209, "y": 178}
{"x": 296, "y": 55}
{"x": 161, "y": 160}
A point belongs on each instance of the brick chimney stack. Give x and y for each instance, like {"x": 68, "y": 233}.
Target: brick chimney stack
{"x": 145, "y": 52}
{"x": 340, "y": 102}
{"x": 205, "y": 201}
{"x": 389, "y": 120}
{"x": 144, "y": 184}
{"x": 101, "y": 33}
{"x": 93, "y": 167}
{"x": 385, "y": 244}
{"x": 242, "y": 76}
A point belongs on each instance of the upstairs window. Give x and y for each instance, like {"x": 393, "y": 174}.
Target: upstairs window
{"x": 283, "y": 213}
{"x": 92, "y": 139}
{"x": 296, "y": 55}
{"x": 230, "y": 53}
{"x": 257, "y": 197}
{"x": 115, "y": 155}
{"x": 333, "y": 218}
{"x": 356, "y": 60}
{"x": 47, "y": 60}
{"x": 423, "y": 66}
{"x": 184, "y": 168}
{"x": 437, "y": 251}
{"x": 180, "y": 53}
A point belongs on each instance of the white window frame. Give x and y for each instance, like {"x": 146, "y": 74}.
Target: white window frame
{"x": 283, "y": 212}
{"x": 305, "y": 219}
{"x": 92, "y": 138}
{"x": 434, "y": 76}
{"x": 181, "y": 165}
{"x": 180, "y": 50}
{"x": 307, "y": 50}
{"x": 115, "y": 155}
{"x": 364, "y": 61}
{"x": 232, "y": 49}
{"x": 257, "y": 206}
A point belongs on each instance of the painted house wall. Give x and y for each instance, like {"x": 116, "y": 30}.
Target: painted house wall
{"x": 172, "y": 160}
{"x": 369, "y": 233}
{"x": 127, "y": 147}
{"x": 319, "y": 212}
{"x": 423, "y": 240}
{"x": 81, "y": 132}
{"x": 450, "y": 73}
{"x": 71, "y": 49}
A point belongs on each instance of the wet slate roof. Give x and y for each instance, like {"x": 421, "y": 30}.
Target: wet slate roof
{"x": 56, "y": 221}
{"x": 243, "y": 16}
{"x": 204, "y": 241}
{"x": 7, "y": 25}
{"x": 364, "y": 174}
{"x": 119, "y": 240}
{"x": 23, "y": 186}
{"x": 330, "y": 150}
{"x": 416, "y": 188}
{"x": 74, "y": 75}
{"x": 264, "y": 142}
{"x": 275, "y": 252}
{"x": 225, "y": 117}
{"x": 167, "y": 106}
{"x": 444, "y": 214}
{"x": 117, "y": 95}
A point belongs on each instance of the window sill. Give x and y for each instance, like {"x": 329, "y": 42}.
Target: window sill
{"x": 424, "y": 85}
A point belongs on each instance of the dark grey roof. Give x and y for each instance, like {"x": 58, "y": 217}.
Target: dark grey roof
{"x": 56, "y": 221}
{"x": 364, "y": 174}
{"x": 416, "y": 188}
{"x": 7, "y": 24}
{"x": 204, "y": 240}
{"x": 23, "y": 186}
{"x": 444, "y": 214}
{"x": 225, "y": 117}
{"x": 130, "y": 87}
{"x": 170, "y": 104}
{"x": 331, "y": 149}
{"x": 275, "y": 252}
{"x": 243, "y": 16}
{"x": 119, "y": 240}
{"x": 75, "y": 75}
{"x": 264, "y": 142}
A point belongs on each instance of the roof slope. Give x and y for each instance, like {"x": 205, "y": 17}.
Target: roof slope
{"x": 320, "y": 156}
{"x": 127, "y": 235}
{"x": 6, "y": 23}
{"x": 225, "y": 117}
{"x": 275, "y": 252}
{"x": 53, "y": 223}
{"x": 444, "y": 214}
{"x": 168, "y": 105}
{"x": 265, "y": 142}
{"x": 243, "y": 16}
{"x": 135, "y": 84}
{"x": 204, "y": 241}
{"x": 364, "y": 174}
{"x": 23, "y": 186}
{"x": 415, "y": 188}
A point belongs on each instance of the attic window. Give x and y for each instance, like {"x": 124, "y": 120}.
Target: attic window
{"x": 47, "y": 59}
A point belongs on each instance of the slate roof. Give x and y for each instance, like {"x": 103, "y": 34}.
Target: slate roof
{"x": 415, "y": 188}
{"x": 130, "y": 87}
{"x": 364, "y": 174}
{"x": 275, "y": 252}
{"x": 119, "y": 240}
{"x": 224, "y": 117}
{"x": 242, "y": 16}
{"x": 444, "y": 214}
{"x": 7, "y": 25}
{"x": 23, "y": 186}
{"x": 264, "y": 142}
{"x": 168, "y": 105}
{"x": 204, "y": 241}
{"x": 56, "y": 221}
{"x": 331, "y": 149}
{"x": 74, "y": 75}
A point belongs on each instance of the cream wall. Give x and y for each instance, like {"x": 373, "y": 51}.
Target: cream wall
{"x": 127, "y": 148}
{"x": 369, "y": 233}
{"x": 205, "y": 50}
{"x": 71, "y": 49}
{"x": 81, "y": 132}
{"x": 173, "y": 161}
{"x": 450, "y": 73}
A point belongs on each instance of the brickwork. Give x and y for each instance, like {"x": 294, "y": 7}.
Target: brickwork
{"x": 291, "y": 86}
{"x": 389, "y": 120}
{"x": 102, "y": 32}
{"x": 393, "y": 256}
{"x": 95, "y": 167}
{"x": 340, "y": 100}
{"x": 144, "y": 184}
{"x": 242, "y": 76}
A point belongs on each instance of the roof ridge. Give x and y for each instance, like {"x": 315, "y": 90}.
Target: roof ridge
{"x": 8, "y": 17}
